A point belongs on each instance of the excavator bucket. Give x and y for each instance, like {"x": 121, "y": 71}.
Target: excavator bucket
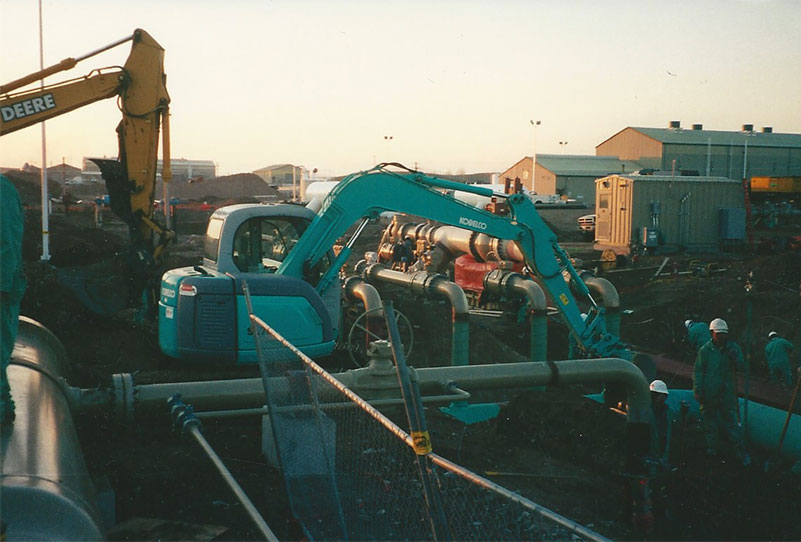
{"x": 102, "y": 288}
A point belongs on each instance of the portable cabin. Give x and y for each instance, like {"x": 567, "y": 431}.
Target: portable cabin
{"x": 667, "y": 212}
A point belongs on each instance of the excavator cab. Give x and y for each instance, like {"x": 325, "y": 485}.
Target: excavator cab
{"x": 203, "y": 312}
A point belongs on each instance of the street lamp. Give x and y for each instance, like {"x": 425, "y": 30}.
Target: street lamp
{"x": 563, "y": 144}
{"x": 534, "y": 124}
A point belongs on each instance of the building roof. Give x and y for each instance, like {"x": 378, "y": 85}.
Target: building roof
{"x": 587, "y": 166}
{"x": 270, "y": 168}
{"x": 684, "y": 136}
{"x": 676, "y": 178}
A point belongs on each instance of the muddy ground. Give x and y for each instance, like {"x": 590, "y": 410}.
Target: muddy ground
{"x": 553, "y": 447}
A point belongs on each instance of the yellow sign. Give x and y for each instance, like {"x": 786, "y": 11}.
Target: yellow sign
{"x": 422, "y": 442}
{"x": 563, "y": 299}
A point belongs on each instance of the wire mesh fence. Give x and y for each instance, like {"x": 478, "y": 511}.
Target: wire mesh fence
{"x": 353, "y": 474}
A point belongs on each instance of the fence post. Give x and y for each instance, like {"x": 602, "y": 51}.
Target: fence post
{"x": 417, "y": 428}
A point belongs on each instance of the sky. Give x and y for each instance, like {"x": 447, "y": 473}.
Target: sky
{"x": 456, "y": 84}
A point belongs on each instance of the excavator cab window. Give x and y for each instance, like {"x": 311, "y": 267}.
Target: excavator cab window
{"x": 262, "y": 243}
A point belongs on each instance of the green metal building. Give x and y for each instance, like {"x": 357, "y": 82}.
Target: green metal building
{"x": 711, "y": 153}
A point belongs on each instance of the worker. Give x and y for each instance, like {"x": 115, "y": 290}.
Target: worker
{"x": 659, "y": 395}
{"x": 12, "y": 286}
{"x": 697, "y": 334}
{"x": 714, "y": 386}
{"x": 777, "y": 353}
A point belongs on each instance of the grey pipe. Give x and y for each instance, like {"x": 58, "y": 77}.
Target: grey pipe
{"x": 513, "y": 284}
{"x": 194, "y": 430}
{"x": 609, "y": 297}
{"x": 368, "y": 383}
{"x": 45, "y": 489}
{"x": 423, "y": 283}
{"x": 458, "y": 241}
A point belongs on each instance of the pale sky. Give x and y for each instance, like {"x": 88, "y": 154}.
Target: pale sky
{"x": 455, "y": 83}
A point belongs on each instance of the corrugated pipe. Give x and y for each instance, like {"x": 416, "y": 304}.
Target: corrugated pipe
{"x": 513, "y": 284}
{"x": 423, "y": 283}
{"x": 45, "y": 489}
{"x": 609, "y": 297}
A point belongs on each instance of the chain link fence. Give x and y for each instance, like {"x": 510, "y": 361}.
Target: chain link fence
{"x": 353, "y": 474}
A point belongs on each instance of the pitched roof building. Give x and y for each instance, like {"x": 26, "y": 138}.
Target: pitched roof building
{"x": 708, "y": 152}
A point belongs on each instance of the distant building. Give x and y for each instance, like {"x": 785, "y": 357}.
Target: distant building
{"x": 569, "y": 176}
{"x": 696, "y": 151}
{"x": 182, "y": 169}
{"x": 279, "y": 175}
{"x": 59, "y": 173}
{"x": 286, "y": 178}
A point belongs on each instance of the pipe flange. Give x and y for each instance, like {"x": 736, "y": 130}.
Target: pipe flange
{"x": 123, "y": 397}
{"x": 492, "y": 280}
{"x": 371, "y": 271}
{"x": 423, "y": 282}
{"x": 352, "y": 281}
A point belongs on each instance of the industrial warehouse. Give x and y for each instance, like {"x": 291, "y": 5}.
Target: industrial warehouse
{"x": 579, "y": 347}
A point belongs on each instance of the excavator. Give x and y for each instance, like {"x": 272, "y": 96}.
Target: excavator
{"x": 284, "y": 254}
{"x": 140, "y": 89}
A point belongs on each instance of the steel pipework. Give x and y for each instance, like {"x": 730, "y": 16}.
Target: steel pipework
{"x": 45, "y": 489}
{"x": 514, "y": 284}
{"x": 371, "y": 383}
{"x": 458, "y": 241}
{"x": 609, "y": 297}
{"x": 426, "y": 284}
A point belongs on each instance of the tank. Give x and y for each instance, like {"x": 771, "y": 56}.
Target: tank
{"x": 45, "y": 489}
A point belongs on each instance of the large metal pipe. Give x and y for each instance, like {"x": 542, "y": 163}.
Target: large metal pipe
{"x": 609, "y": 297}
{"x": 45, "y": 489}
{"x": 516, "y": 285}
{"x": 426, "y": 284}
{"x": 370, "y": 383}
{"x": 459, "y": 241}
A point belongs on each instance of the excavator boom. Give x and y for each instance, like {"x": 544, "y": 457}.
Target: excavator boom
{"x": 140, "y": 88}
{"x": 368, "y": 194}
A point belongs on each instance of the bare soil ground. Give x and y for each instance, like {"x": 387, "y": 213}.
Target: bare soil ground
{"x": 554, "y": 447}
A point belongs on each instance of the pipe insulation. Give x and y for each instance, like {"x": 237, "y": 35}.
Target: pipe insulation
{"x": 45, "y": 489}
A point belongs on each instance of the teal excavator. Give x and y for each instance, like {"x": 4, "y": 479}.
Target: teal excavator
{"x": 284, "y": 254}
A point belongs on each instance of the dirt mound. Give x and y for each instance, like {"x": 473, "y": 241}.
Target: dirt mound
{"x": 234, "y": 187}
{"x": 29, "y": 186}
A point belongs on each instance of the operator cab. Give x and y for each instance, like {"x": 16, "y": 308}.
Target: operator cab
{"x": 205, "y": 314}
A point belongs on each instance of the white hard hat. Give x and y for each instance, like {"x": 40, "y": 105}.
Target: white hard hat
{"x": 687, "y": 323}
{"x": 719, "y": 325}
{"x": 772, "y": 334}
{"x": 659, "y": 387}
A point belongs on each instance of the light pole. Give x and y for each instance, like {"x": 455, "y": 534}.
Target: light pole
{"x": 534, "y": 124}
{"x": 563, "y": 144}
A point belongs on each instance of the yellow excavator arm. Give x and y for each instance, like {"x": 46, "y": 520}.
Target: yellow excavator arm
{"x": 140, "y": 88}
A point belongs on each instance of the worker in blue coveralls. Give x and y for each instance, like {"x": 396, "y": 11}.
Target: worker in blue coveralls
{"x": 12, "y": 285}
{"x": 697, "y": 334}
{"x": 715, "y": 389}
{"x": 777, "y": 353}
